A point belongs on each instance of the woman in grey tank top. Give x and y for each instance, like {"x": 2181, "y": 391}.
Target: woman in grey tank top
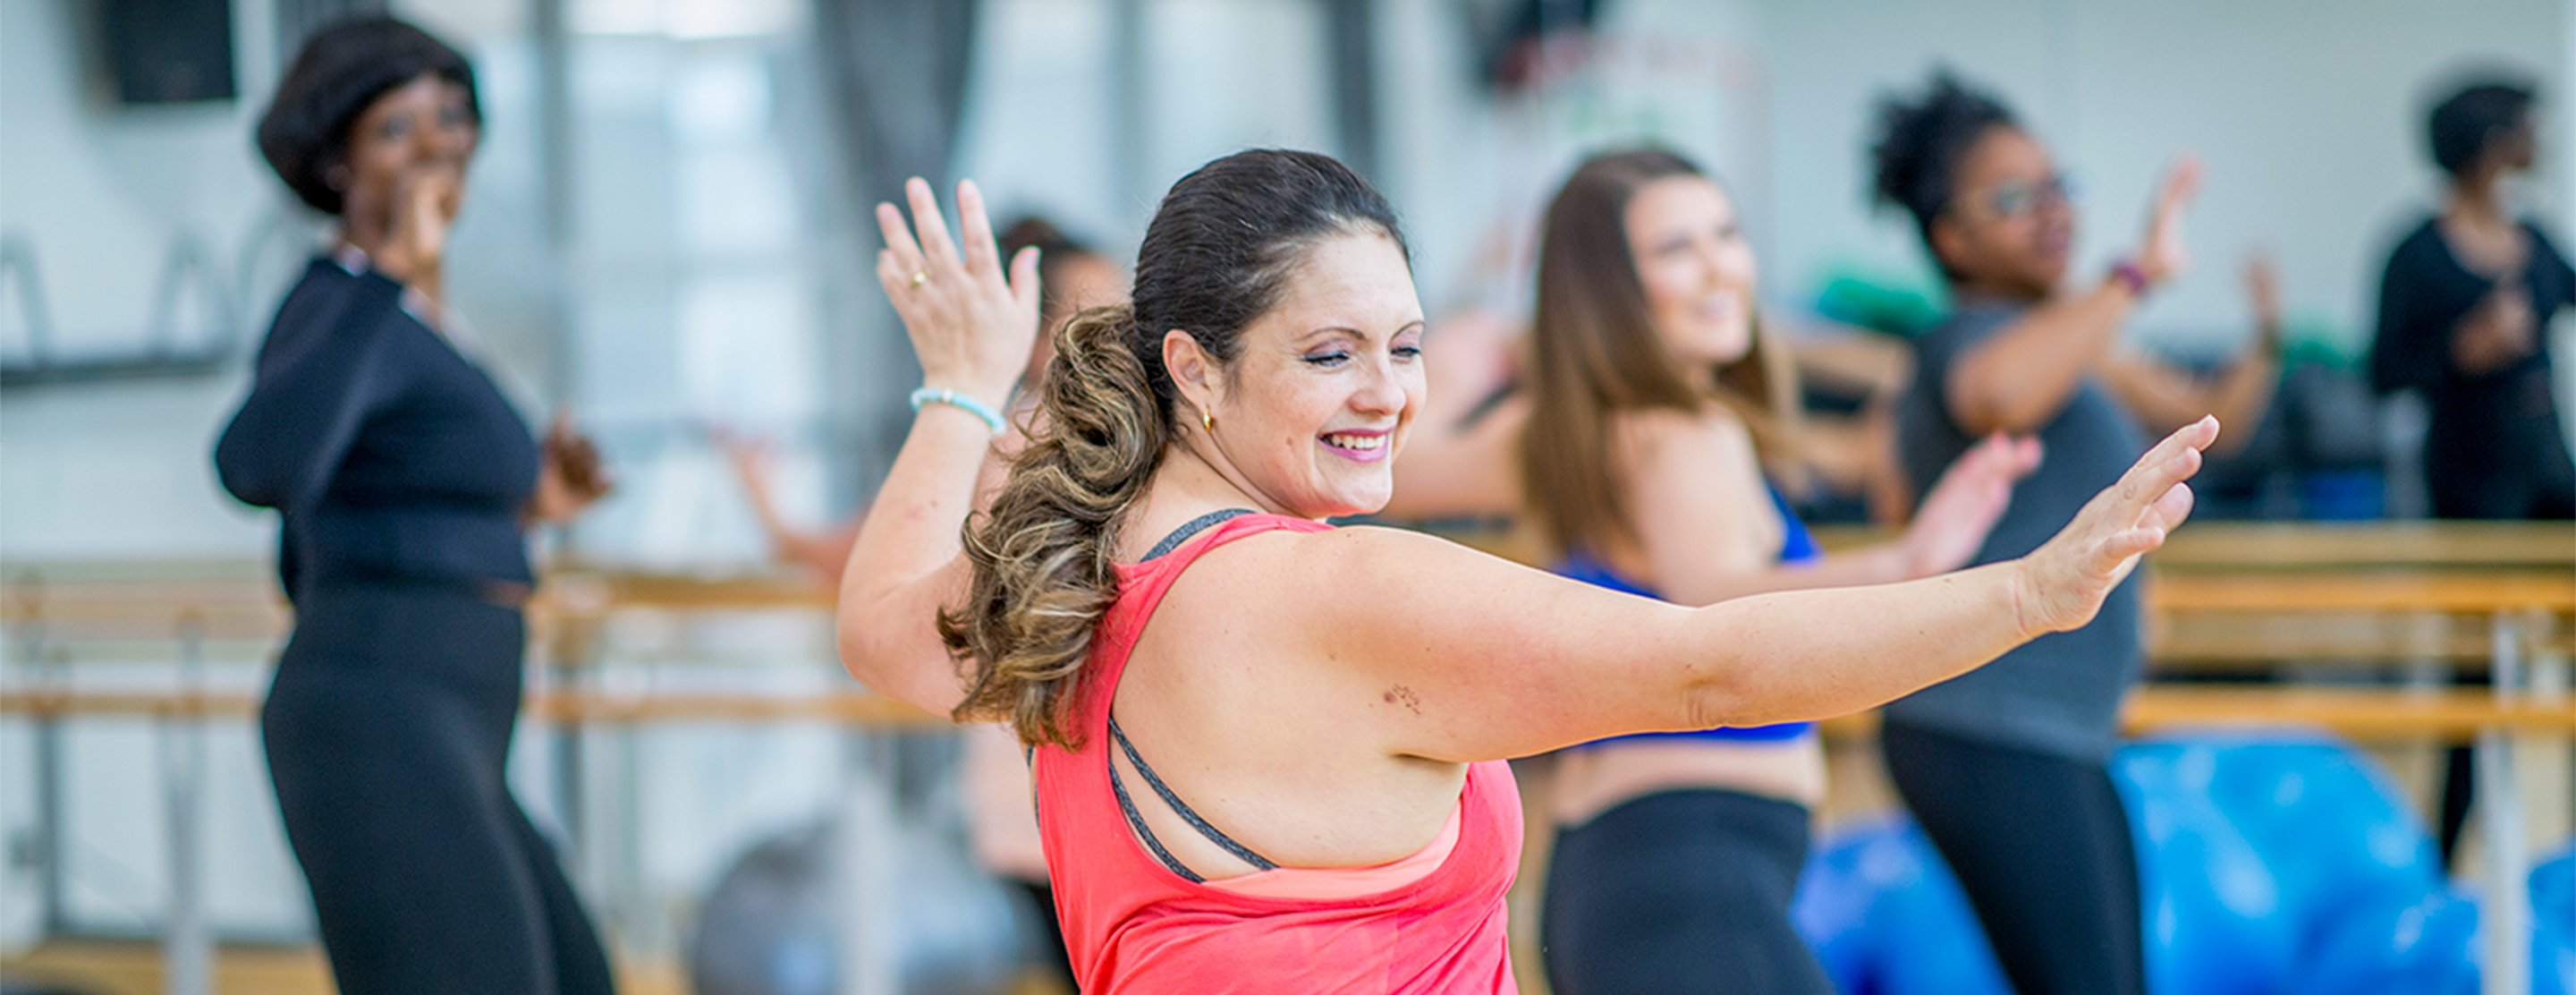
{"x": 2005, "y": 768}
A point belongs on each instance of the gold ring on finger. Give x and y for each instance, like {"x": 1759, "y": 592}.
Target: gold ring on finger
{"x": 920, "y": 276}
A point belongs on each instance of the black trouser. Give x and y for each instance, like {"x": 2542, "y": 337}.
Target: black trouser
{"x": 2537, "y": 483}
{"x": 1679, "y": 891}
{"x": 2041, "y": 845}
{"x": 1053, "y": 959}
{"x": 2523, "y": 478}
{"x": 386, "y": 728}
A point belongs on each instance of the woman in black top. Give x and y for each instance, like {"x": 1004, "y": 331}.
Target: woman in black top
{"x": 405, "y": 483}
{"x": 2464, "y": 311}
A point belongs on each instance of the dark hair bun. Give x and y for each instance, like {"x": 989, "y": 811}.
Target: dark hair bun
{"x": 1921, "y": 141}
{"x": 344, "y": 66}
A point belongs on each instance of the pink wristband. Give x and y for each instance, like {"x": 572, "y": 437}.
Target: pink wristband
{"x": 2129, "y": 275}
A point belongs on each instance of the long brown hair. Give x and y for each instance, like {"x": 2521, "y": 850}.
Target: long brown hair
{"x": 1594, "y": 355}
{"x": 1220, "y": 251}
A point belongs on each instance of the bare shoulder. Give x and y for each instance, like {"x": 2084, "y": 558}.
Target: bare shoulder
{"x": 1664, "y": 431}
{"x": 1351, "y": 573}
{"x": 1657, "y": 443}
{"x": 1388, "y": 586}
{"x": 1302, "y": 563}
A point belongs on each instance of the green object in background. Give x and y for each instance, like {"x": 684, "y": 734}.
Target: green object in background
{"x": 2317, "y": 342}
{"x": 1889, "y": 304}
{"x": 1902, "y": 305}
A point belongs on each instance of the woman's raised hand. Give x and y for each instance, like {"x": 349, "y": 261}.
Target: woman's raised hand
{"x": 1965, "y": 504}
{"x": 2162, "y": 255}
{"x": 426, "y": 199}
{"x": 570, "y": 474}
{"x": 2063, "y": 582}
{"x": 971, "y": 325}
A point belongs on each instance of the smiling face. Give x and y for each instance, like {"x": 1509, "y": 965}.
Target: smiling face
{"x": 1695, "y": 267}
{"x": 2009, "y": 224}
{"x": 424, "y": 125}
{"x": 1315, "y": 407}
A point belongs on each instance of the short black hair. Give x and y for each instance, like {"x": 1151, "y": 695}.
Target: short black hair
{"x": 1035, "y": 231}
{"x": 1921, "y": 141}
{"x": 2464, "y": 124}
{"x": 343, "y": 66}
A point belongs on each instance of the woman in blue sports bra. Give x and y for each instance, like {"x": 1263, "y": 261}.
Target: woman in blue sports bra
{"x": 1649, "y": 412}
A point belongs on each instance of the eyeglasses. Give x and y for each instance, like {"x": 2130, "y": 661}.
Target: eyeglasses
{"x": 2014, "y": 198}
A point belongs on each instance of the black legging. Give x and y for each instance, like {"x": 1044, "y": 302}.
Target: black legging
{"x": 386, "y": 727}
{"x": 2041, "y": 845}
{"x": 1680, "y": 891}
{"x": 1053, "y": 960}
{"x": 2537, "y": 483}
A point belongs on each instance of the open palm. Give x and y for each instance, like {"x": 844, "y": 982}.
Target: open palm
{"x": 2065, "y": 580}
{"x": 1965, "y": 504}
{"x": 971, "y": 326}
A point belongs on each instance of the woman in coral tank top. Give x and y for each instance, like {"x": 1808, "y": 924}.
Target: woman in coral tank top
{"x": 1268, "y": 750}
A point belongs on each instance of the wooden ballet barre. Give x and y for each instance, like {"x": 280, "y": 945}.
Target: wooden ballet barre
{"x": 128, "y": 704}
{"x": 2365, "y": 714}
{"x": 2482, "y": 593}
{"x": 2230, "y": 648}
{"x": 138, "y": 625}
{"x": 2360, "y": 714}
{"x": 2294, "y": 546}
{"x": 853, "y": 708}
{"x": 248, "y": 611}
{"x": 2469, "y": 593}
{"x": 2342, "y": 546}
{"x": 857, "y": 708}
{"x": 2373, "y": 714}
{"x": 2218, "y": 641}
{"x": 595, "y": 592}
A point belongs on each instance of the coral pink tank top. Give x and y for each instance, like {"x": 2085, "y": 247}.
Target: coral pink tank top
{"x": 1132, "y": 925}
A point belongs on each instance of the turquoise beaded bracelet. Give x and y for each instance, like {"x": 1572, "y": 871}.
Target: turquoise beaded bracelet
{"x": 960, "y": 401}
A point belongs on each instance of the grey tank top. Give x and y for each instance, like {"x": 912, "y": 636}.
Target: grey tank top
{"x": 2061, "y": 693}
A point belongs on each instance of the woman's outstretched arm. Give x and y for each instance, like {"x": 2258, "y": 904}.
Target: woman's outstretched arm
{"x": 1697, "y": 495}
{"x": 1462, "y": 656}
{"x": 972, "y": 329}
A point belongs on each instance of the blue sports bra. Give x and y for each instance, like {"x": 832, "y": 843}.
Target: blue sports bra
{"x": 1796, "y": 546}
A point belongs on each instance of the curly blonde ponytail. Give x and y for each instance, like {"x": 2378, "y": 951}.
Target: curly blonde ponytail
{"x": 1043, "y": 572}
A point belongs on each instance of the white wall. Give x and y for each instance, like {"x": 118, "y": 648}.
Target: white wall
{"x": 1470, "y": 169}
{"x": 101, "y": 191}
{"x": 1219, "y": 76}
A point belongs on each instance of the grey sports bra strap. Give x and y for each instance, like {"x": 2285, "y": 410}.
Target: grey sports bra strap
{"x": 1118, "y": 785}
{"x": 1179, "y": 807}
{"x": 1136, "y": 822}
{"x": 1194, "y": 527}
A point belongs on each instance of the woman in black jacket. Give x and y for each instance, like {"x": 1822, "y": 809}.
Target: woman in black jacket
{"x": 405, "y": 482}
{"x": 2464, "y": 309}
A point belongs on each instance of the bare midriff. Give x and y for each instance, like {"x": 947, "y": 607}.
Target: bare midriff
{"x": 1599, "y": 777}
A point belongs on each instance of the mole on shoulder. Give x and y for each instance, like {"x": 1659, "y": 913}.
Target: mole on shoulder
{"x": 1401, "y": 695}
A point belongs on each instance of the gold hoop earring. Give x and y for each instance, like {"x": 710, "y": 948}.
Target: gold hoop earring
{"x": 1207, "y": 421}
